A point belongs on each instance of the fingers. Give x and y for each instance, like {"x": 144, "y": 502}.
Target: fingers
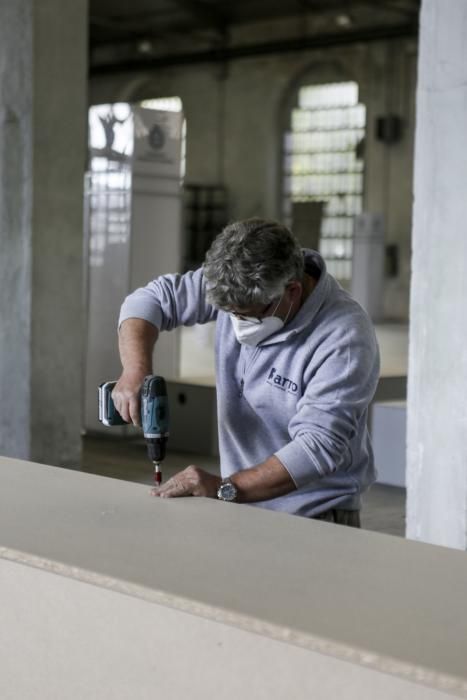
{"x": 192, "y": 481}
{"x": 134, "y": 409}
{"x": 176, "y": 486}
{"x": 126, "y": 397}
{"x": 183, "y": 484}
{"x": 121, "y": 406}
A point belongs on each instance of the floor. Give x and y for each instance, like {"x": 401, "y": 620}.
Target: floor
{"x": 383, "y": 506}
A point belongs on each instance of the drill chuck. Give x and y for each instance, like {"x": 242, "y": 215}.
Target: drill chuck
{"x": 156, "y": 449}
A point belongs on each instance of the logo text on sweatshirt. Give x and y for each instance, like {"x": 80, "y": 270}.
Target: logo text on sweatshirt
{"x": 281, "y": 382}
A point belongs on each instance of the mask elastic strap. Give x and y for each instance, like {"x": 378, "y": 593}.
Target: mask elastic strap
{"x": 288, "y": 312}
{"x": 277, "y": 305}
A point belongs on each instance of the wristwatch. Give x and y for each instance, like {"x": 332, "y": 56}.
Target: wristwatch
{"x": 227, "y": 491}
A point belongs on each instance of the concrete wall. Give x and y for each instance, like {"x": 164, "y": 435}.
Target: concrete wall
{"x": 16, "y": 140}
{"x": 59, "y": 158}
{"x": 437, "y": 404}
{"x": 235, "y": 118}
{"x": 42, "y": 156}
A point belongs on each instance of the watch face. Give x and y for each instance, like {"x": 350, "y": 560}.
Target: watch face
{"x": 227, "y": 492}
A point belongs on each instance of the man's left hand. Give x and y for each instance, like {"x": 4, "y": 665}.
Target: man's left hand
{"x": 192, "y": 481}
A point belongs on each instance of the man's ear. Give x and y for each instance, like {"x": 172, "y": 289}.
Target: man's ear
{"x": 295, "y": 289}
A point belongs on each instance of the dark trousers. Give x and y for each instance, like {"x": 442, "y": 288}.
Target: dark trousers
{"x": 351, "y": 518}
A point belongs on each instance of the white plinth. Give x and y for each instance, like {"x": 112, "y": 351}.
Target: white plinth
{"x": 388, "y": 433}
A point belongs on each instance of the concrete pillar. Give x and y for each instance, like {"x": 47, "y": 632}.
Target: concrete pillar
{"x": 437, "y": 387}
{"x": 43, "y": 47}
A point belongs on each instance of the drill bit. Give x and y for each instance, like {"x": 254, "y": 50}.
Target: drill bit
{"x": 157, "y": 473}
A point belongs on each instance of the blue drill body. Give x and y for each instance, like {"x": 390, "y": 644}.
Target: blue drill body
{"x": 154, "y": 415}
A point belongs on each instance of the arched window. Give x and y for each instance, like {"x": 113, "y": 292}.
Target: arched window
{"x": 323, "y": 171}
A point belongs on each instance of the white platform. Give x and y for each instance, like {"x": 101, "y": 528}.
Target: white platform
{"x": 193, "y": 418}
{"x": 109, "y": 593}
{"x": 388, "y": 433}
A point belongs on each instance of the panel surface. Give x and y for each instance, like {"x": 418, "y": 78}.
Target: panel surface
{"x": 393, "y": 605}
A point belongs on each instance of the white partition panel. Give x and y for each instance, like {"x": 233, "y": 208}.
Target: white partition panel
{"x": 133, "y": 231}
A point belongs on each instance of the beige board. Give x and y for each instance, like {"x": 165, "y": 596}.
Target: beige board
{"x": 378, "y": 603}
{"x": 65, "y": 639}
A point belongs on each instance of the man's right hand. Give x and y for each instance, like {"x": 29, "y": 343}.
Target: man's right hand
{"x": 136, "y": 340}
{"x": 127, "y": 395}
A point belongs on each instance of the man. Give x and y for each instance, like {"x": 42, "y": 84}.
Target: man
{"x": 296, "y": 364}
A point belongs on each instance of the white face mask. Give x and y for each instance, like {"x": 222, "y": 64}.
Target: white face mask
{"x": 250, "y": 332}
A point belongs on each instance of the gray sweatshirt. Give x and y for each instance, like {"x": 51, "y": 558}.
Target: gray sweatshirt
{"x": 302, "y": 394}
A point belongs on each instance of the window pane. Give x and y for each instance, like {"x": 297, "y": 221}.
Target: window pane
{"x": 321, "y": 164}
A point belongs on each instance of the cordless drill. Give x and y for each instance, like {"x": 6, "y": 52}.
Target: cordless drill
{"x": 154, "y": 416}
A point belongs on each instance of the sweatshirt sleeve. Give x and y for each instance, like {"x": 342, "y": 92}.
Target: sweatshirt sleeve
{"x": 170, "y": 301}
{"x": 339, "y": 387}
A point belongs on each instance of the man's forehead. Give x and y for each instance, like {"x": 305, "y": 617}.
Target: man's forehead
{"x": 248, "y": 310}
{"x": 245, "y": 310}
{"x": 250, "y": 307}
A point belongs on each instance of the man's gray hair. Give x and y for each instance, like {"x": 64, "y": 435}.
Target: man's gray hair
{"x": 251, "y": 262}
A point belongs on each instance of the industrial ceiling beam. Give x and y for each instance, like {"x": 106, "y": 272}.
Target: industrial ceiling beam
{"x": 201, "y": 14}
{"x": 145, "y": 25}
{"x": 150, "y": 34}
{"x": 113, "y": 24}
{"x": 410, "y": 13}
{"x": 220, "y": 55}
